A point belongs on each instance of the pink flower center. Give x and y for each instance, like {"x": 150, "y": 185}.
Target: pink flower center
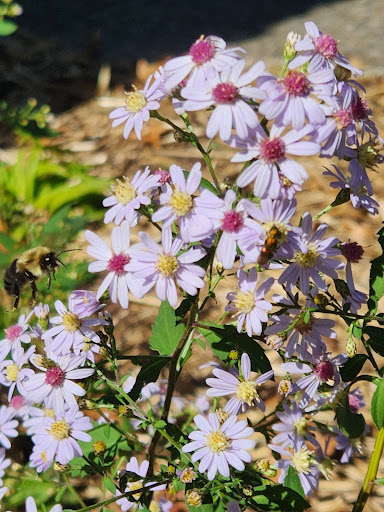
{"x": 359, "y": 109}
{"x": 354, "y": 402}
{"x": 272, "y": 150}
{"x": 164, "y": 176}
{"x": 352, "y": 251}
{"x": 325, "y": 371}
{"x": 54, "y": 376}
{"x": 202, "y": 51}
{"x": 327, "y": 46}
{"x": 232, "y": 222}
{"x": 13, "y": 332}
{"x": 224, "y": 93}
{"x": 117, "y": 262}
{"x": 17, "y": 402}
{"x": 343, "y": 118}
{"x": 296, "y": 83}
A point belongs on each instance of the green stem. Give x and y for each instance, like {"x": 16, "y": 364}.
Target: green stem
{"x": 73, "y": 491}
{"x": 329, "y": 207}
{"x": 370, "y": 477}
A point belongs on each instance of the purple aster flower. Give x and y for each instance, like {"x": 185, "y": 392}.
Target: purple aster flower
{"x": 271, "y": 161}
{"x": 58, "y": 436}
{"x": 229, "y": 93}
{"x": 4, "y": 464}
{"x": 15, "y": 335}
{"x": 220, "y": 445}
{"x": 84, "y": 303}
{"x": 227, "y": 383}
{"x": 8, "y": 426}
{"x": 36, "y": 416}
{"x": 128, "y": 197}
{"x": 12, "y": 372}
{"x": 289, "y": 99}
{"x": 118, "y": 280}
{"x": 348, "y": 446}
{"x": 162, "y": 266}
{"x": 30, "y": 506}
{"x": 55, "y": 385}
{"x": 365, "y": 156}
{"x": 321, "y": 50}
{"x": 303, "y": 462}
{"x": 248, "y": 302}
{"x": 141, "y": 471}
{"x": 207, "y": 57}
{"x": 294, "y": 427}
{"x": 312, "y": 259}
{"x": 139, "y": 103}
{"x": 20, "y": 407}
{"x": 70, "y": 329}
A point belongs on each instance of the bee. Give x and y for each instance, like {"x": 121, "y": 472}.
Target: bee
{"x": 271, "y": 244}
{"x": 28, "y": 268}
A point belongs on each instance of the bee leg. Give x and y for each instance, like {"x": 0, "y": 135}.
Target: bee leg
{"x": 35, "y": 293}
{"x": 16, "y": 304}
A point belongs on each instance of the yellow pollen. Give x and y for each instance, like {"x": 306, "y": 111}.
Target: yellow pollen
{"x": 302, "y": 460}
{"x": 280, "y": 226}
{"x": 301, "y": 426}
{"x": 194, "y": 497}
{"x": 246, "y": 392}
{"x": 245, "y": 302}
{"x": 49, "y": 413}
{"x": 167, "y": 265}
{"x": 124, "y": 191}
{"x": 262, "y": 465}
{"x": 154, "y": 506}
{"x": 285, "y": 386}
{"x": 59, "y": 430}
{"x": 71, "y": 321}
{"x": 181, "y": 202}
{"x": 136, "y": 485}
{"x": 217, "y": 441}
{"x": 135, "y": 101}
{"x": 87, "y": 344}
{"x": 12, "y": 372}
{"x": 43, "y": 456}
{"x": 309, "y": 259}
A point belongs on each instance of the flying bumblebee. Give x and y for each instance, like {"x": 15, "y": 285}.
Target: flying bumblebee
{"x": 28, "y": 268}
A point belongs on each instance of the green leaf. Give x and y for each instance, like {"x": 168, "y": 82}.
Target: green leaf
{"x": 208, "y": 507}
{"x": 377, "y": 404}
{"x": 160, "y": 424}
{"x": 280, "y": 499}
{"x": 351, "y": 424}
{"x": 224, "y": 338}
{"x": 376, "y": 339}
{"x": 149, "y": 373}
{"x": 379, "y": 481}
{"x": 7, "y": 241}
{"x": 165, "y": 333}
{"x": 292, "y": 481}
{"x": 352, "y": 367}
{"x": 7, "y": 27}
{"x": 376, "y": 277}
{"x": 108, "y": 483}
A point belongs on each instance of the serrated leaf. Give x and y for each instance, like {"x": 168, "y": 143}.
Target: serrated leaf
{"x": 292, "y": 481}
{"x": 352, "y": 367}
{"x": 351, "y": 424}
{"x": 376, "y": 277}
{"x": 376, "y": 339}
{"x": 165, "y": 333}
{"x": 377, "y": 404}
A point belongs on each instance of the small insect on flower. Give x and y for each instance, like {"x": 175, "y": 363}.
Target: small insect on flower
{"x": 271, "y": 244}
{"x": 28, "y": 268}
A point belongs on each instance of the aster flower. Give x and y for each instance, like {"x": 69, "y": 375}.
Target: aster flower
{"x": 128, "y": 197}
{"x": 84, "y": 303}
{"x": 229, "y": 93}
{"x": 207, "y": 56}
{"x": 30, "y": 506}
{"x": 4, "y": 464}
{"x": 220, "y": 446}
{"x": 162, "y": 266}
{"x": 118, "y": 280}
{"x": 13, "y": 374}
{"x": 58, "y": 436}
{"x": 39, "y": 461}
{"x": 227, "y": 383}
{"x": 313, "y": 259}
{"x": 248, "y": 302}
{"x": 20, "y": 407}
{"x": 36, "y": 416}
{"x": 321, "y": 50}
{"x": 348, "y": 446}
{"x": 293, "y": 427}
{"x": 8, "y": 426}
{"x": 15, "y": 335}
{"x": 55, "y": 386}
{"x": 142, "y": 470}
{"x": 271, "y": 161}
{"x": 139, "y": 103}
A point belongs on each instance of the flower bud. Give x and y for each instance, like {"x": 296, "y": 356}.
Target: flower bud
{"x": 99, "y": 448}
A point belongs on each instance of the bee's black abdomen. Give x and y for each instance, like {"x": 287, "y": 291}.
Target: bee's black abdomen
{"x": 11, "y": 285}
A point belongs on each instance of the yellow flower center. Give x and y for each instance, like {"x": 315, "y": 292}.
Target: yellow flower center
{"x": 246, "y": 392}
{"x": 217, "y": 441}
{"x": 244, "y": 302}
{"x": 301, "y": 426}
{"x": 367, "y": 155}
{"x": 59, "y": 430}
{"x": 154, "y": 506}
{"x": 135, "y": 101}
{"x": 136, "y": 485}
{"x": 262, "y": 465}
{"x": 124, "y": 191}
{"x": 181, "y": 202}
{"x": 302, "y": 460}
{"x": 167, "y": 265}
{"x": 309, "y": 259}
{"x": 12, "y": 372}
{"x": 71, "y": 321}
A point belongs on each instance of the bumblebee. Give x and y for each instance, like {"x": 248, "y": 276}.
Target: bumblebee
{"x": 272, "y": 243}
{"x": 28, "y": 268}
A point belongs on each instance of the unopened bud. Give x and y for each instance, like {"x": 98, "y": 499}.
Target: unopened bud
{"x": 289, "y": 47}
{"x": 234, "y": 355}
{"x": 247, "y": 490}
{"x": 99, "y": 448}
{"x": 124, "y": 411}
{"x": 61, "y": 468}
{"x": 350, "y": 348}
{"x": 222, "y": 415}
{"x": 274, "y": 341}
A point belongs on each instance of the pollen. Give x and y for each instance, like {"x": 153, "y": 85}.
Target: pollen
{"x": 12, "y": 372}
{"x": 59, "y": 430}
{"x": 327, "y": 46}
{"x": 167, "y": 265}
{"x": 13, "y": 332}
{"x": 117, "y": 263}
{"x": 245, "y": 302}
{"x": 188, "y": 476}
{"x": 87, "y": 344}
{"x": 217, "y": 441}
{"x": 71, "y": 322}
{"x": 154, "y": 506}
{"x": 135, "y": 101}
{"x": 296, "y": 83}
{"x": 202, "y": 51}
{"x": 181, "y": 202}
{"x": 225, "y": 93}
{"x": 43, "y": 456}
{"x": 246, "y": 392}
{"x": 55, "y": 376}
{"x": 124, "y": 191}
{"x": 272, "y": 150}
{"x": 302, "y": 460}
{"x": 232, "y": 222}
{"x": 309, "y": 259}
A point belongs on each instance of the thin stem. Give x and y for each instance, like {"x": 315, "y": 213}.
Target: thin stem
{"x": 326, "y": 209}
{"x": 370, "y": 477}
{"x": 71, "y": 489}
